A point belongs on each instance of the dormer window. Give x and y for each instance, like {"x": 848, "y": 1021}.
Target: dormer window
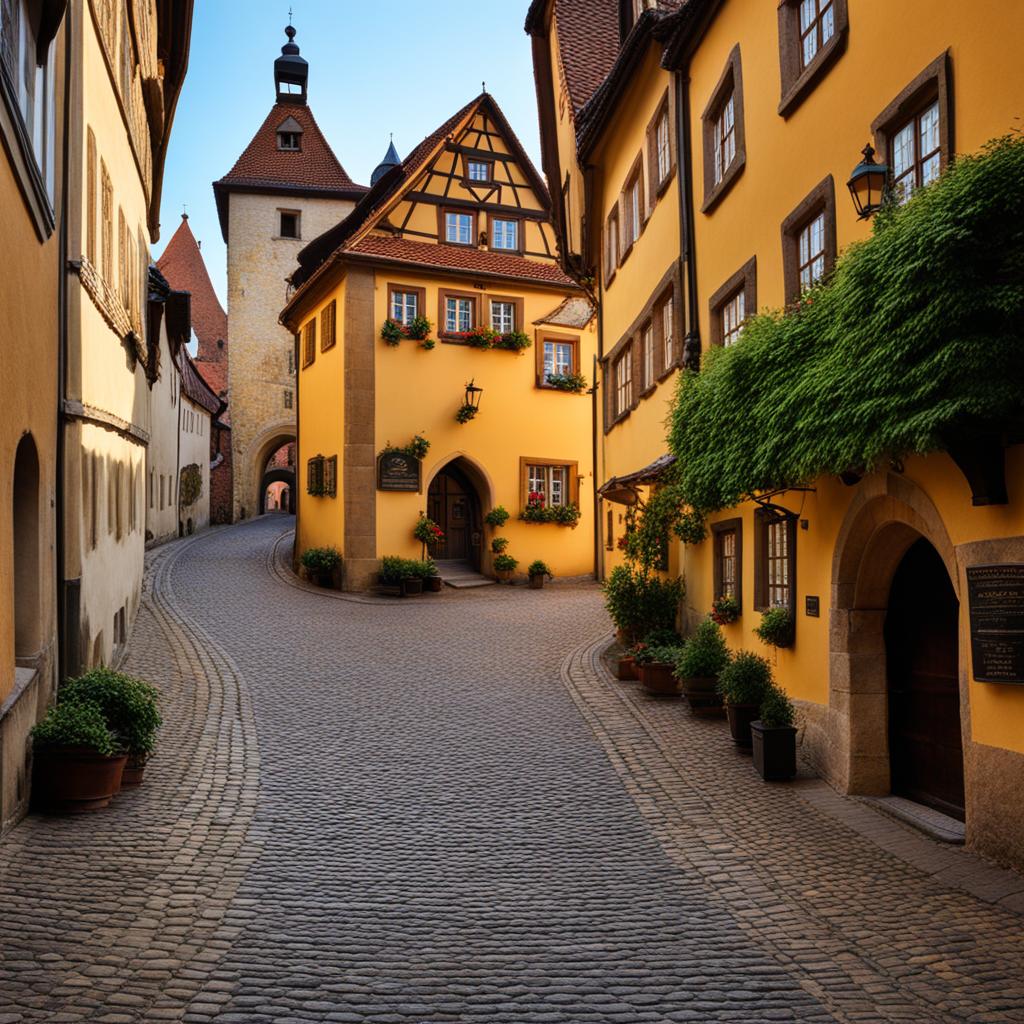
{"x": 289, "y": 135}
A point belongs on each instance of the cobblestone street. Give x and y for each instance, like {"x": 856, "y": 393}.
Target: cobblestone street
{"x": 444, "y": 809}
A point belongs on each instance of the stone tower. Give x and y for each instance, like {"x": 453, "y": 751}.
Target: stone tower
{"x": 286, "y": 188}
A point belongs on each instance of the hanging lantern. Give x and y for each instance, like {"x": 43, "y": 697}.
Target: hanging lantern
{"x": 867, "y": 184}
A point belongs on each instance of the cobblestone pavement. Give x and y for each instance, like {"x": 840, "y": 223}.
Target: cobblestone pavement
{"x": 445, "y": 810}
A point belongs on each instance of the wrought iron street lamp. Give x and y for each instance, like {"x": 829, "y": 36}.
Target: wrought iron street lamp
{"x": 867, "y": 184}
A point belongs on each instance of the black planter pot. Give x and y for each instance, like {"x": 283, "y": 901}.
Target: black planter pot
{"x": 702, "y": 695}
{"x": 412, "y": 585}
{"x": 774, "y": 751}
{"x": 740, "y": 716}
{"x": 433, "y": 584}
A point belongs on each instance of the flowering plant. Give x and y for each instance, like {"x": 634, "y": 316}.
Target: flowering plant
{"x": 466, "y": 413}
{"x": 478, "y": 337}
{"x": 574, "y": 382}
{"x": 512, "y": 341}
{"x": 417, "y": 329}
{"x": 537, "y": 511}
{"x": 725, "y": 609}
{"x": 427, "y": 531}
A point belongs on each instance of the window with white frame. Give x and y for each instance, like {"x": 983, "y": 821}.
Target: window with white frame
{"x": 504, "y": 234}
{"x": 725, "y": 137}
{"x": 404, "y": 306}
{"x": 733, "y": 315}
{"x": 811, "y": 252}
{"x": 458, "y": 228}
{"x": 289, "y": 141}
{"x": 503, "y": 316}
{"x": 558, "y": 358}
{"x": 458, "y": 314}
{"x": 478, "y": 170}
{"x": 817, "y": 26}
{"x": 915, "y": 149}
{"x": 777, "y": 563}
{"x": 551, "y": 482}
{"x": 661, "y": 146}
{"x": 623, "y": 375}
{"x": 647, "y": 357}
{"x": 633, "y": 209}
{"x": 668, "y": 328}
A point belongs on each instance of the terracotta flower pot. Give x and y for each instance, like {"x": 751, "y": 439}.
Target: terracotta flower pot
{"x": 740, "y": 716}
{"x": 74, "y": 780}
{"x": 774, "y": 751}
{"x": 537, "y": 581}
{"x": 658, "y": 681}
{"x": 625, "y": 670}
{"x": 433, "y": 584}
{"x": 134, "y": 770}
{"x": 503, "y": 575}
{"x": 702, "y": 696}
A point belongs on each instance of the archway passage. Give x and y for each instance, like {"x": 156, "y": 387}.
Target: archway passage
{"x": 26, "y": 549}
{"x": 274, "y": 461}
{"x": 454, "y": 504}
{"x": 922, "y": 657}
{"x": 278, "y": 486}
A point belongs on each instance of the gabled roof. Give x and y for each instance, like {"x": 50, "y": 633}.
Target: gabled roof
{"x": 195, "y": 387}
{"x": 311, "y": 170}
{"x": 347, "y": 235}
{"x": 183, "y": 266}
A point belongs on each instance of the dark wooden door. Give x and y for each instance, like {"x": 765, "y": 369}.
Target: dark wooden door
{"x": 452, "y": 504}
{"x": 922, "y": 641}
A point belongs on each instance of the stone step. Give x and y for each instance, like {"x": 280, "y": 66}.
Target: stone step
{"x": 461, "y": 575}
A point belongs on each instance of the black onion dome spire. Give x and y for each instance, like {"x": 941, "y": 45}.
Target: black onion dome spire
{"x": 391, "y": 159}
{"x": 291, "y": 72}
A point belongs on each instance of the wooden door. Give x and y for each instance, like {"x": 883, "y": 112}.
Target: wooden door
{"x": 922, "y": 652}
{"x": 450, "y": 503}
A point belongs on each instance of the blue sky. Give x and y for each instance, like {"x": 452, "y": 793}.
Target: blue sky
{"x": 400, "y": 66}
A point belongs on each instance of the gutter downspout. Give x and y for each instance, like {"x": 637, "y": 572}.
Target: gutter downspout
{"x": 691, "y": 343}
{"x": 63, "y": 313}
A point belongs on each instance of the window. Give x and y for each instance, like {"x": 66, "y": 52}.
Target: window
{"x": 812, "y": 35}
{"x": 776, "y": 560}
{"x": 458, "y": 312}
{"x": 328, "y": 320}
{"x": 622, "y": 375}
{"x": 668, "y": 332}
{"x": 331, "y": 476}
{"x": 728, "y": 558}
{"x": 809, "y": 241}
{"x": 309, "y": 343}
{"x": 90, "y": 193}
{"x": 478, "y": 170}
{"x": 724, "y": 139}
{"x": 646, "y": 357}
{"x": 609, "y": 531}
{"x": 914, "y": 130}
{"x": 287, "y": 399}
{"x": 504, "y": 234}
{"x": 660, "y": 153}
{"x": 611, "y": 245}
{"x": 107, "y": 215}
{"x": 733, "y": 314}
{"x": 554, "y": 480}
{"x": 315, "y": 475}
{"x": 459, "y": 228}
{"x": 503, "y": 316}
{"x": 632, "y": 205}
{"x": 291, "y": 361}
{"x": 556, "y": 354}
{"x": 405, "y": 302}
{"x": 289, "y": 140}
{"x": 732, "y": 304}
{"x": 122, "y": 258}
{"x": 289, "y": 224}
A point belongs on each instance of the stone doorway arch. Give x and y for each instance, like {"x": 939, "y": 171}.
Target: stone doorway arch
{"x": 459, "y": 494}
{"x": 888, "y": 516}
{"x": 271, "y": 443}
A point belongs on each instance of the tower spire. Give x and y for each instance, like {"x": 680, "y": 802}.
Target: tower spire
{"x": 291, "y": 72}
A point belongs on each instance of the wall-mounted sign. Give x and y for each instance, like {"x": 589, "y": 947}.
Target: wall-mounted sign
{"x": 812, "y": 606}
{"x": 397, "y": 471}
{"x": 995, "y": 595}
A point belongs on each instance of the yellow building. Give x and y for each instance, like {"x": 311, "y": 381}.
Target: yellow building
{"x": 32, "y": 91}
{"x": 458, "y": 233}
{"x": 128, "y": 61}
{"x": 775, "y": 103}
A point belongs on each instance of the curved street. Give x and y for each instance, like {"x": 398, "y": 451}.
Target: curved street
{"x": 443, "y": 809}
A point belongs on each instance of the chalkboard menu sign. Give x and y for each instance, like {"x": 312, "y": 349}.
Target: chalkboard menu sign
{"x": 397, "y": 471}
{"x": 995, "y": 594}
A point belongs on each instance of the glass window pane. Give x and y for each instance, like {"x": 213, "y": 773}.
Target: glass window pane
{"x": 903, "y": 150}
{"x": 808, "y": 12}
{"x": 549, "y": 358}
{"x": 930, "y": 169}
{"x": 828, "y": 23}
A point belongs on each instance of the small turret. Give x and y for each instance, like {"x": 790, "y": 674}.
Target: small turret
{"x": 291, "y": 72}
{"x": 391, "y": 159}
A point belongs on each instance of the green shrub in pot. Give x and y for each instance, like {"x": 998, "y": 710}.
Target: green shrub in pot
{"x": 745, "y": 680}
{"x": 75, "y": 725}
{"x": 128, "y": 706}
{"x": 704, "y": 654}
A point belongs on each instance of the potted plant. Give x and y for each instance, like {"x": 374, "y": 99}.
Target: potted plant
{"x": 129, "y": 708}
{"x": 625, "y": 667}
{"x": 654, "y": 664}
{"x": 743, "y": 684}
{"x": 432, "y": 581}
{"x": 504, "y": 567}
{"x": 401, "y": 576}
{"x": 427, "y": 532}
{"x": 701, "y": 659}
{"x": 777, "y": 628}
{"x": 725, "y": 609}
{"x": 538, "y": 572}
{"x": 498, "y": 544}
{"x": 774, "y": 737}
{"x": 320, "y": 565}
{"x": 497, "y": 516}
{"x": 76, "y": 765}
{"x": 640, "y": 602}
{"x": 414, "y": 572}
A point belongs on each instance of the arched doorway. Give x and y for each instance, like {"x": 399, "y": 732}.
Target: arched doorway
{"x": 453, "y": 502}
{"x": 26, "y": 549}
{"x": 926, "y": 756}
{"x": 277, "y": 497}
{"x": 278, "y": 468}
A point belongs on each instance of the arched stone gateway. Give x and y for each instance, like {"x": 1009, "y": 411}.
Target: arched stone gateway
{"x": 283, "y": 477}
{"x": 458, "y": 496}
{"x": 258, "y": 470}
{"x": 893, "y": 561}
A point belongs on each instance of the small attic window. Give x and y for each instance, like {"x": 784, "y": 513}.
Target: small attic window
{"x": 289, "y": 135}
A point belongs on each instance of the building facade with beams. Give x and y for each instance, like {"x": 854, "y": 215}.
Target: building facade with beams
{"x": 437, "y": 308}
{"x": 183, "y": 266}
{"x": 286, "y": 188}
{"x": 32, "y": 111}
{"x": 879, "y": 570}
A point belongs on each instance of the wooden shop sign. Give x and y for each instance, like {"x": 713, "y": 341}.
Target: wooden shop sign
{"x": 995, "y": 595}
{"x": 397, "y": 471}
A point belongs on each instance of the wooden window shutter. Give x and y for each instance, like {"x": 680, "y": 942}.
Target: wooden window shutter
{"x": 90, "y": 199}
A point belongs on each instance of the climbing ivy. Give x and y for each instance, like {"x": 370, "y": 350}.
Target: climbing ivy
{"x": 915, "y": 338}
{"x": 190, "y": 486}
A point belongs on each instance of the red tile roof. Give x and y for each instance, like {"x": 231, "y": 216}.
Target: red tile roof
{"x": 455, "y": 257}
{"x": 588, "y": 43}
{"x": 314, "y": 166}
{"x": 194, "y": 386}
{"x": 183, "y": 266}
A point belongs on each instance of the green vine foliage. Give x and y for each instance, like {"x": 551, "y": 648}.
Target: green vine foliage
{"x": 915, "y": 337}
{"x": 190, "y": 487}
